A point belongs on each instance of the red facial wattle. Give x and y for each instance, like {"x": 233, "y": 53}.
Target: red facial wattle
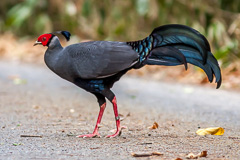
{"x": 44, "y": 39}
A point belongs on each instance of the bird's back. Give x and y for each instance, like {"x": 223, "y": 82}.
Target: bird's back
{"x": 98, "y": 59}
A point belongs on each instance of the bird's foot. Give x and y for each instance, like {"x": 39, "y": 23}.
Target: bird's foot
{"x": 93, "y": 135}
{"x": 118, "y": 132}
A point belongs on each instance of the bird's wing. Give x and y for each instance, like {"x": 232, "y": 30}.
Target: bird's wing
{"x": 98, "y": 59}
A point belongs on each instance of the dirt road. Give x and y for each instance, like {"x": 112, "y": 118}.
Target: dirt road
{"x": 34, "y": 101}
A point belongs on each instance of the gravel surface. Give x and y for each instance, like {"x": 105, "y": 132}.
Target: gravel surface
{"x": 34, "y": 101}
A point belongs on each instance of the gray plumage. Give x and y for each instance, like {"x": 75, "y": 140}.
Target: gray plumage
{"x": 89, "y": 60}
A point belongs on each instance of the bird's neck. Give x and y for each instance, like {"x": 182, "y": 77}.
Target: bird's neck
{"x": 53, "y": 53}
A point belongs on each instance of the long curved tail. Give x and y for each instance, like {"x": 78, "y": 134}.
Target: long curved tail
{"x": 176, "y": 44}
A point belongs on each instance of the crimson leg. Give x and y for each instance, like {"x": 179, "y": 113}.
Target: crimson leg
{"x": 102, "y": 104}
{"x": 109, "y": 95}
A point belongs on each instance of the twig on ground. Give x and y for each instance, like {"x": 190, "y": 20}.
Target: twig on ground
{"x": 37, "y": 136}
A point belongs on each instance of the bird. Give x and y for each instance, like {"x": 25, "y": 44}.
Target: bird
{"x": 96, "y": 65}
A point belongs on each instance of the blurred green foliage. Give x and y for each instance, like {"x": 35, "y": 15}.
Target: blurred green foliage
{"x": 218, "y": 20}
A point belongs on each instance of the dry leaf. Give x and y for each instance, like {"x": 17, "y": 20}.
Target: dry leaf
{"x": 202, "y": 154}
{"x": 141, "y": 154}
{"x": 157, "y": 153}
{"x": 33, "y": 136}
{"x": 128, "y": 114}
{"x": 36, "y": 106}
{"x": 193, "y": 156}
{"x": 212, "y": 131}
{"x": 178, "y": 159}
{"x": 154, "y": 126}
{"x": 120, "y": 115}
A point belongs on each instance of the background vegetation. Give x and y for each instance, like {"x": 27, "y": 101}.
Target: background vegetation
{"x": 218, "y": 20}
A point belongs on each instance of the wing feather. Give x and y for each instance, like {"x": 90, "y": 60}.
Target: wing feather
{"x": 98, "y": 59}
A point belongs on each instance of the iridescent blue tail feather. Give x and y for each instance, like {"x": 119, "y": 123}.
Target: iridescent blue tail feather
{"x": 176, "y": 44}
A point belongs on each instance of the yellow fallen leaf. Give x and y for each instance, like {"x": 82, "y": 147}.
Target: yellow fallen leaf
{"x": 212, "y": 131}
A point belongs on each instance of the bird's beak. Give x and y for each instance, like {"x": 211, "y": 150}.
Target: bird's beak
{"x": 37, "y": 43}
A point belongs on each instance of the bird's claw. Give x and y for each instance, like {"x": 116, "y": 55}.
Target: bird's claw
{"x": 118, "y": 132}
{"x": 93, "y": 135}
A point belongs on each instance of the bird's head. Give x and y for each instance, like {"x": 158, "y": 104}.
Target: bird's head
{"x": 45, "y": 39}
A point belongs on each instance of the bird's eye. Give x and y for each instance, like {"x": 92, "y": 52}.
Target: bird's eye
{"x": 44, "y": 39}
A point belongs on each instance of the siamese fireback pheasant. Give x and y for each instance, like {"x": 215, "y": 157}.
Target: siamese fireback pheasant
{"x": 96, "y": 65}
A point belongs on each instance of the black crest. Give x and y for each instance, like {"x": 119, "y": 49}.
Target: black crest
{"x": 66, "y": 34}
